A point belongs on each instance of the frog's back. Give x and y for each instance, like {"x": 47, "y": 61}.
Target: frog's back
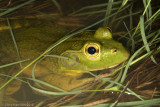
{"x": 33, "y": 37}
{"x": 30, "y": 35}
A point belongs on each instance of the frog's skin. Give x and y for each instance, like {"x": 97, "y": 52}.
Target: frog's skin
{"x": 92, "y": 50}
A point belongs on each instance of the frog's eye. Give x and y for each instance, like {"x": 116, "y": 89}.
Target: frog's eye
{"x": 92, "y": 50}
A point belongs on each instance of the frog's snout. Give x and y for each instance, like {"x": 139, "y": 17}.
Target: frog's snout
{"x": 126, "y": 54}
{"x": 122, "y": 53}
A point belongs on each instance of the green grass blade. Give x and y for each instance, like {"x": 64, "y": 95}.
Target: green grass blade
{"x": 108, "y": 11}
{"x": 154, "y": 16}
{"x": 14, "y": 41}
{"x": 93, "y": 12}
{"x": 118, "y": 11}
{"x": 57, "y": 5}
{"x": 125, "y": 16}
{"x": 116, "y": 102}
{"x": 143, "y": 33}
{"x": 128, "y": 64}
{"x": 6, "y": 65}
{"x": 143, "y": 15}
{"x": 89, "y": 7}
{"x": 94, "y": 6}
{"x": 117, "y": 79}
{"x": 150, "y": 10}
{"x": 155, "y": 37}
{"x": 53, "y": 93}
{"x": 46, "y": 84}
{"x": 148, "y": 37}
{"x": 144, "y": 37}
{"x": 123, "y": 3}
{"x": 130, "y": 18}
{"x": 146, "y": 7}
{"x": 131, "y": 37}
{"x": 16, "y": 7}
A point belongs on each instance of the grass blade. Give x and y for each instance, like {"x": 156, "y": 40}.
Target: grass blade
{"x": 16, "y": 7}
{"x": 123, "y": 3}
{"x": 52, "y": 93}
{"x": 131, "y": 37}
{"x": 58, "y": 6}
{"x": 143, "y": 15}
{"x": 128, "y": 64}
{"x": 6, "y": 65}
{"x": 14, "y": 41}
{"x": 144, "y": 37}
{"x": 108, "y": 11}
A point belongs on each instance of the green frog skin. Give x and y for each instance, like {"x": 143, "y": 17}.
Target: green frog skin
{"x": 91, "y": 50}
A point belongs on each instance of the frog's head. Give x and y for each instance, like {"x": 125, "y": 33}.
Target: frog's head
{"x": 99, "y": 53}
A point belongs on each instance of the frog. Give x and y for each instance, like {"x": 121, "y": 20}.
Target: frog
{"x": 64, "y": 65}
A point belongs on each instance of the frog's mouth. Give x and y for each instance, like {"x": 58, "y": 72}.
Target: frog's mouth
{"x": 114, "y": 66}
{"x": 108, "y": 71}
{"x": 111, "y": 67}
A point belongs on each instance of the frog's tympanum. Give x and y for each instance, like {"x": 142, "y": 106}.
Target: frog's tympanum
{"x": 88, "y": 51}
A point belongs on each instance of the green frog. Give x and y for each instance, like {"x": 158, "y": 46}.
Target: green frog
{"x": 87, "y": 51}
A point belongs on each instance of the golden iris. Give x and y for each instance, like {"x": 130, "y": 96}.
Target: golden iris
{"x": 92, "y": 50}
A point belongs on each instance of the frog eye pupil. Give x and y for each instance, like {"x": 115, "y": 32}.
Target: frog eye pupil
{"x": 91, "y": 50}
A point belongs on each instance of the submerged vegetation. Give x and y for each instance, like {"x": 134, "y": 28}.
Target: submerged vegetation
{"x": 134, "y": 23}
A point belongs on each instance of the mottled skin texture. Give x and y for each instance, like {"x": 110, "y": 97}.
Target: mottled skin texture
{"x": 36, "y": 36}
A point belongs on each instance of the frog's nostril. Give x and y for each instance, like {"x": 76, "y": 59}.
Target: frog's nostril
{"x": 114, "y": 50}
